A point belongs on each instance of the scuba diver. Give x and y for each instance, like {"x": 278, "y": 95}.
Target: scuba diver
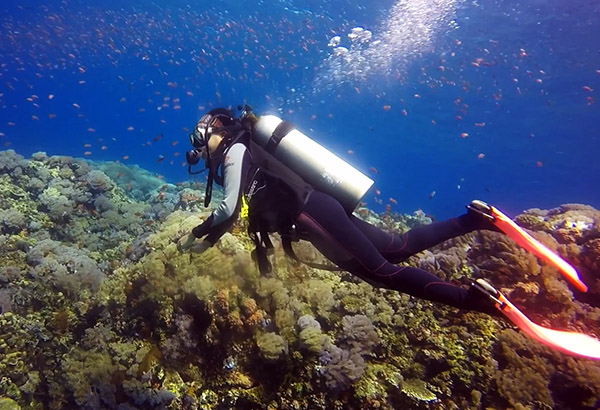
{"x": 276, "y": 199}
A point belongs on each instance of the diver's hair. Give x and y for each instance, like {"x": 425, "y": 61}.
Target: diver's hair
{"x": 219, "y": 128}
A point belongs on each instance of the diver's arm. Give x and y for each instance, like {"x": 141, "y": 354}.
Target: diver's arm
{"x": 235, "y": 169}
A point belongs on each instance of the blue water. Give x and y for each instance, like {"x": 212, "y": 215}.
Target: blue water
{"x": 522, "y": 79}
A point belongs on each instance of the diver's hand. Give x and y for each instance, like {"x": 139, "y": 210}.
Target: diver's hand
{"x": 201, "y": 247}
{"x": 185, "y": 242}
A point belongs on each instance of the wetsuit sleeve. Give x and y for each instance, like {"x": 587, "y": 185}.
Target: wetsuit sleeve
{"x": 235, "y": 171}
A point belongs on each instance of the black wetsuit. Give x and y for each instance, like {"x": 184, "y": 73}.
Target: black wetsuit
{"x": 354, "y": 245}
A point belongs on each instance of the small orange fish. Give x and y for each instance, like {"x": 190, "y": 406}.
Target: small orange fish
{"x": 587, "y": 88}
{"x": 125, "y": 157}
{"x": 91, "y": 130}
{"x": 87, "y": 153}
{"x": 393, "y": 201}
{"x": 386, "y": 108}
{"x": 103, "y": 148}
{"x": 480, "y": 124}
{"x": 87, "y": 145}
{"x": 464, "y": 135}
{"x": 539, "y": 164}
{"x": 130, "y": 128}
{"x": 431, "y": 194}
{"x": 481, "y": 156}
{"x": 173, "y": 143}
{"x": 75, "y": 105}
{"x": 374, "y": 170}
{"x": 350, "y": 152}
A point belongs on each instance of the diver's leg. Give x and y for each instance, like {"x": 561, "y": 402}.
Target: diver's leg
{"x": 398, "y": 247}
{"x": 332, "y": 232}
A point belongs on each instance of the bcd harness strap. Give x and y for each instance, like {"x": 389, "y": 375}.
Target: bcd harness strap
{"x": 280, "y": 131}
{"x": 286, "y": 243}
{"x": 264, "y": 247}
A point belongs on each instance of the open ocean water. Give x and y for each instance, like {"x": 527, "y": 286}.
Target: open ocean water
{"x": 444, "y": 102}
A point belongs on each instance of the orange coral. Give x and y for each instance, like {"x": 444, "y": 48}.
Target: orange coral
{"x": 234, "y": 320}
{"x": 256, "y": 318}
{"x": 221, "y": 302}
{"x": 249, "y": 307}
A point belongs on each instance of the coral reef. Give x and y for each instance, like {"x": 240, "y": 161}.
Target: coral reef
{"x": 100, "y": 311}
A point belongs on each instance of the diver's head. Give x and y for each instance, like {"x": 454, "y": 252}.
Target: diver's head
{"x": 211, "y": 124}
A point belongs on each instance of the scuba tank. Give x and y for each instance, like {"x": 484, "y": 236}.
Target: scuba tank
{"x": 315, "y": 164}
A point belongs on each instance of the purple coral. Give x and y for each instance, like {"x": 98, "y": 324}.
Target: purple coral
{"x": 341, "y": 367}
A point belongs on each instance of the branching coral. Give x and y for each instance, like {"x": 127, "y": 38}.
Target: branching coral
{"x": 534, "y": 372}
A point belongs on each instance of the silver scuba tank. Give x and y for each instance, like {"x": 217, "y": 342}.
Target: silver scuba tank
{"x": 314, "y": 163}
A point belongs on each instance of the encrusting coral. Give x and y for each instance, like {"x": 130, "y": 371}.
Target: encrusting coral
{"x": 101, "y": 311}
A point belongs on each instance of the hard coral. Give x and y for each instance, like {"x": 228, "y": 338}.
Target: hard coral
{"x": 271, "y": 345}
{"x": 68, "y": 269}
